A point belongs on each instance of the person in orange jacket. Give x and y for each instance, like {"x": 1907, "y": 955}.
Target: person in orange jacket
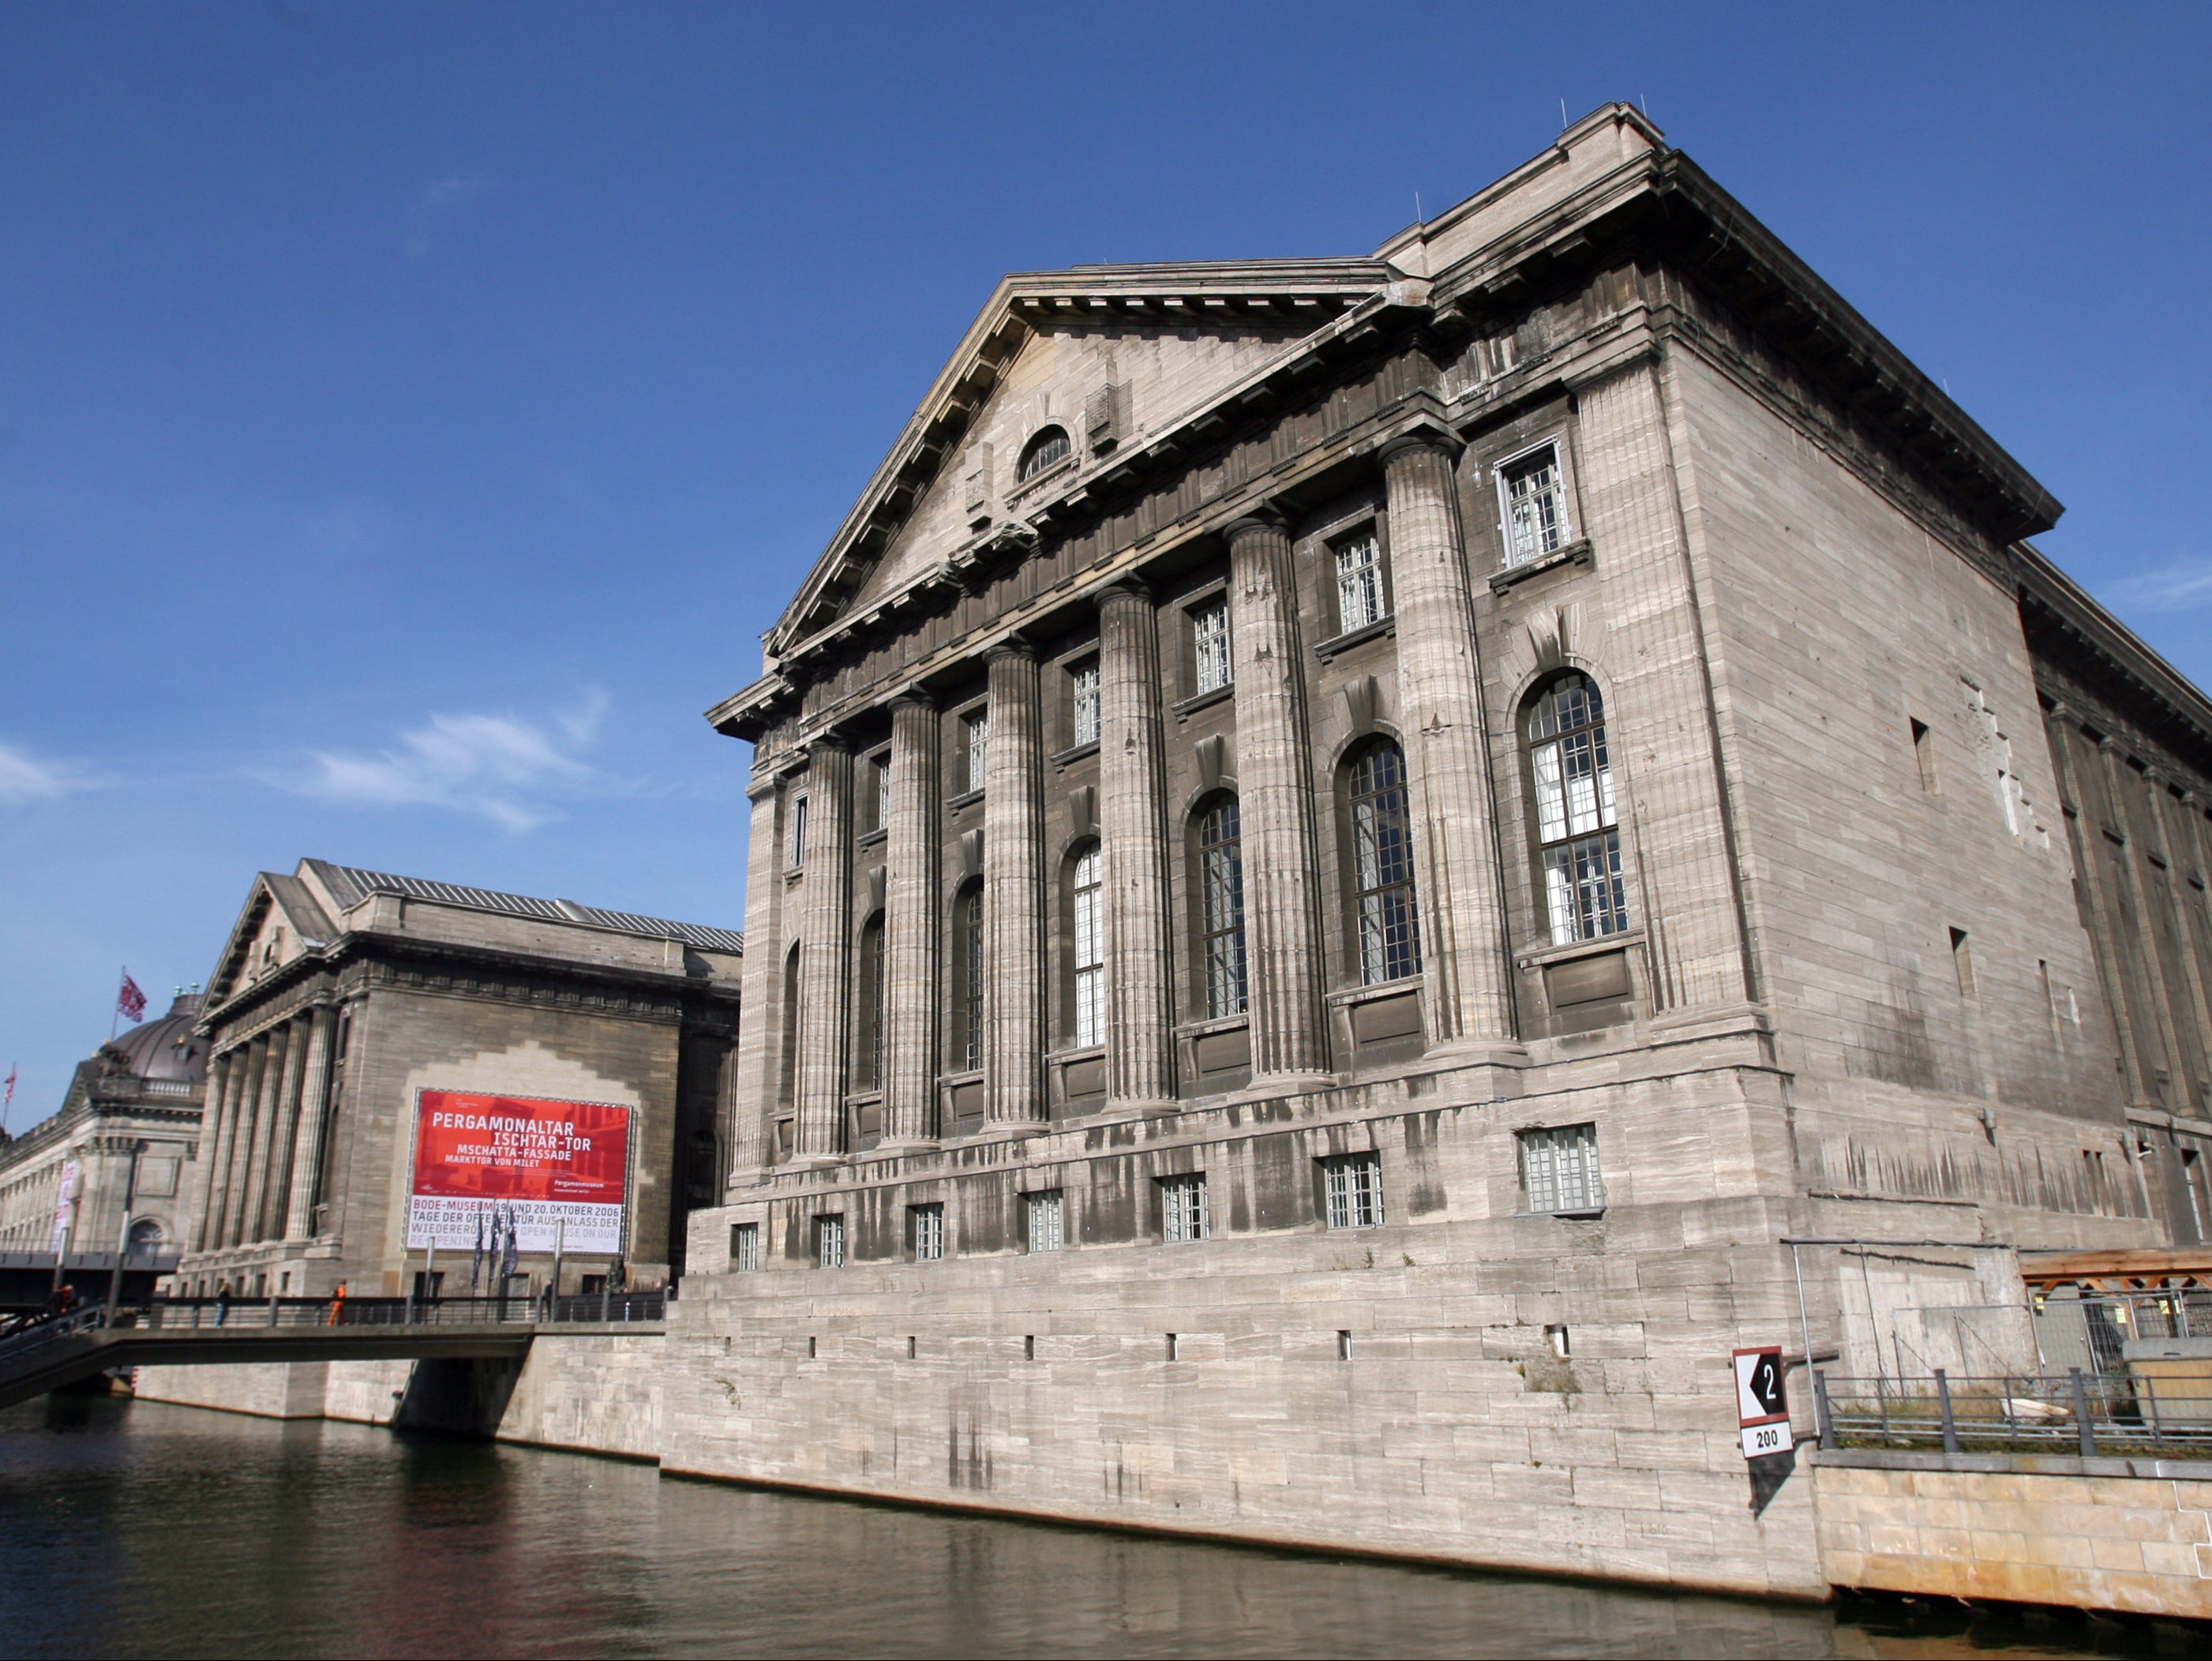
{"x": 338, "y": 1306}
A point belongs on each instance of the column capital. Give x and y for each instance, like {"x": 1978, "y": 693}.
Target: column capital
{"x": 914, "y": 697}
{"x": 1122, "y": 590}
{"x": 1426, "y": 439}
{"x": 1016, "y": 646}
{"x": 1265, "y": 519}
{"x": 829, "y": 742}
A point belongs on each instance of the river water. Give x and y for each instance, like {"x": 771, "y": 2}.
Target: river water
{"x": 135, "y": 1529}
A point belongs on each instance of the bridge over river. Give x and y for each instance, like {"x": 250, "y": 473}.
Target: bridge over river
{"x": 48, "y": 1355}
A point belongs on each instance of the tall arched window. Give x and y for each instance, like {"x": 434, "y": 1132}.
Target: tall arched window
{"x": 1047, "y": 447}
{"x": 1221, "y": 888}
{"x": 1575, "y": 824}
{"x": 1382, "y": 865}
{"x": 868, "y": 1048}
{"x": 1087, "y": 932}
{"x": 788, "y": 1083}
{"x": 968, "y": 961}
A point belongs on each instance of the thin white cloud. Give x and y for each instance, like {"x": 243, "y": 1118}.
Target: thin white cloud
{"x": 439, "y": 201}
{"x": 24, "y": 778}
{"x": 495, "y": 767}
{"x": 2180, "y": 586}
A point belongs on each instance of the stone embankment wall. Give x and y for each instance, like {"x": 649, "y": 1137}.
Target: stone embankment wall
{"x": 2109, "y": 1534}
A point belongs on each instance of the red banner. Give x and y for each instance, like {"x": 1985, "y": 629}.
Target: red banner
{"x": 558, "y": 1170}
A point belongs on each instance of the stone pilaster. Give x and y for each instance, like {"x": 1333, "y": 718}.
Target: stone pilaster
{"x": 761, "y": 1028}
{"x": 1675, "y": 824}
{"x": 2194, "y": 1011}
{"x": 226, "y": 1078}
{"x": 266, "y": 1118}
{"x": 306, "y": 1146}
{"x": 1139, "y": 982}
{"x": 1275, "y": 807}
{"x": 912, "y": 992}
{"x": 1013, "y": 892}
{"x": 2144, "y": 945}
{"x": 1464, "y": 941}
{"x": 2093, "y": 868}
{"x": 276, "y": 1206}
{"x": 236, "y": 1168}
{"x": 825, "y": 951}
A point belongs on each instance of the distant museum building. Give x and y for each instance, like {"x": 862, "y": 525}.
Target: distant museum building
{"x": 348, "y": 1004}
{"x": 110, "y": 1170}
{"x": 1356, "y": 862}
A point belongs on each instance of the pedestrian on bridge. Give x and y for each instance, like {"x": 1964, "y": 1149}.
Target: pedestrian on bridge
{"x": 221, "y": 1302}
{"x": 338, "y": 1306}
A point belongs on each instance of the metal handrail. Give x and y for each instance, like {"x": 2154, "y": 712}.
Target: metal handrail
{"x": 2086, "y": 1413}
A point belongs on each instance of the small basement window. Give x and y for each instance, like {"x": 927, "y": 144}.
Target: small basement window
{"x": 744, "y": 1248}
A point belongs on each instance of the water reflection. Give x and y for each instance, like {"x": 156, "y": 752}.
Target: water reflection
{"x": 146, "y": 1529}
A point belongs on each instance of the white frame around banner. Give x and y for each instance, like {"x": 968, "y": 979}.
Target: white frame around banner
{"x": 570, "y": 1248}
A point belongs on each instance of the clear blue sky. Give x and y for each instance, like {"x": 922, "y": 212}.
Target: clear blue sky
{"x": 409, "y": 416}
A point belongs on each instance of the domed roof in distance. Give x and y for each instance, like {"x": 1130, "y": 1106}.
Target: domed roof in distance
{"x": 166, "y": 1046}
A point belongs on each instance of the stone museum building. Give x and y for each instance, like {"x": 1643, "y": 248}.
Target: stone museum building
{"x": 342, "y": 995}
{"x": 1358, "y": 867}
{"x": 110, "y": 1170}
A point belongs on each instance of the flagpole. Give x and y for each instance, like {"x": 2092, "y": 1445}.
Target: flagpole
{"x": 115, "y": 1016}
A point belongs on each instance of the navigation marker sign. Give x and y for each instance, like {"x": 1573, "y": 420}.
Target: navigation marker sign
{"x": 1762, "y": 1411}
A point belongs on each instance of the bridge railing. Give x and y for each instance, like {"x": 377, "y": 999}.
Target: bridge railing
{"x": 2091, "y": 1415}
{"x": 263, "y": 1314}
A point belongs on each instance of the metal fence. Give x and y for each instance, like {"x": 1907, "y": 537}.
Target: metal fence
{"x": 2091, "y": 1414}
{"x": 517, "y": 1308}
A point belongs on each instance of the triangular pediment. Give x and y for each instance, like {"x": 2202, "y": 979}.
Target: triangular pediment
{"x": 281, "y": 919}
{"x": 1106, "y": 354}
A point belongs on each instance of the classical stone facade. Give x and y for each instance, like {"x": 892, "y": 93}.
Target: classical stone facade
{"x": 128, "y": 1128}
{"x": 343, "y": 993}
{"x": 1361, "y": 866}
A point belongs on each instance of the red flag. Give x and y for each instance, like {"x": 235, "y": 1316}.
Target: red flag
{"x": 130, "y": 1001}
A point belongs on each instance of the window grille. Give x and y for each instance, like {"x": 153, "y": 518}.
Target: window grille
{"x": 1383, "y": 862}
{"x": 976, "y": 730}
{"x": 1083, "y": 691}
{"x": 1047, "y": 447}
{"x": 928, "y": 1232}
{"x": 1353, "y": 1183}
{"x": 1090, "y": 949}
{"x": 970, "y": 943}
{"x": 829, "y": 1241}
{"x": 798, "y": 831}
{"x": 1535, "y": 504}
{"x": 1359, "y": 582}
{"x": 1209, "y": 626}
{"x": 1558, "y": 1168}
{"x": 1045, "y": 1234}
{"x": 1184, "y": 1213}
{"x": 1221, "y": 861}
{"x": 883, "y": 793}
{"x": 744, "y": 1248}
{"x": 1575, "y": 820}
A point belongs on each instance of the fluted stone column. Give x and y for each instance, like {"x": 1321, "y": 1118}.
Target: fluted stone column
{"x": 226, "y": 1078}
{"x": 2093, "y": 868}
{"x": 1140, "y": 984}
{"x": 2145, "y": 945}
{"x": 1013, "y": 892}
{"x": 277, "y": 1194}
{"x": 826, "y": 952}
{"x": 266, "y": 1118}
{"x": 1275, "y": 808}
{"x": 760, "y": 987}
{"x": 1464, "y": 941}
{"x": 298, "y": 1222}
{"x": 912, "y": 993}
{"x": 241, "y": 1142}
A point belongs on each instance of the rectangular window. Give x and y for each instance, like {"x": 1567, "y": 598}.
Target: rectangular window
{"x": 1924, "y": 756}
{"x": 1083, "y": 703}
{"x": 1585, "y": 888}
{"x": 1209, "y": 635}
{"x": 975, "y": 747}
{"x": 1184, "y": 1214}
{"x": 1353, "y": 1185}
{"x": 1535, "y": 503}
{"x": 1045, "y": 1220}
{"x": 2193, "y": 1180}
{"x": 829, "y": 1241}
{"x": 1382, "y": 867}
{"x": 1359, "y": 582}
{"x": 1559, "y": 1170}
{"x": 1584, "y": 891}
{"x": 745, "y": 1249}
{"x": 1221, "y": 878}
{"x": 798, "y": 854}
{"x": 1089, "y": 950}
{"x": 879, "y": 796}
{"x": 928, "y": 1229}
{"x": 1962, "y": 962}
